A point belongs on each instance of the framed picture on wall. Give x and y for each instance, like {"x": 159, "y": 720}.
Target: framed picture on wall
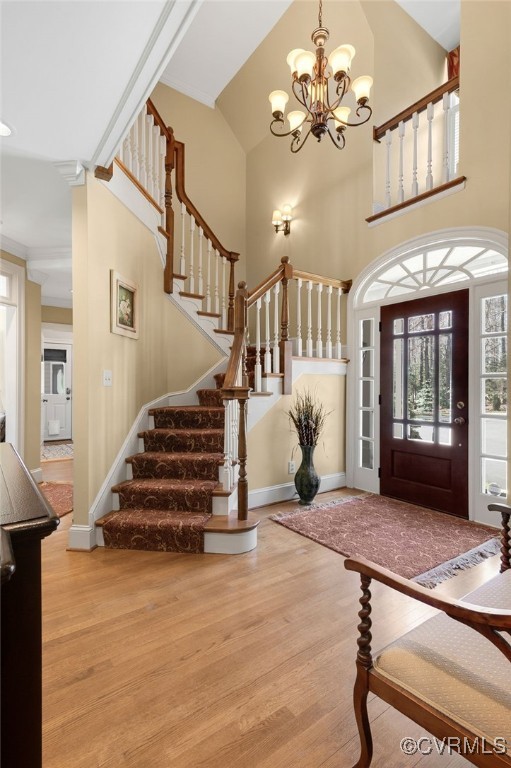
{"x": 124, "y": 306}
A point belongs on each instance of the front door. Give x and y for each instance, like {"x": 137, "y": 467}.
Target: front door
{"x": 56, "y": 391}
{"x": 424, "y": 402}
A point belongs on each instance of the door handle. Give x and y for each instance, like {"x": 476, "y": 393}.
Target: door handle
{"x": 45, "y": 401}
{"x": 68, "y": 398}
{"x": 460, "y": 420}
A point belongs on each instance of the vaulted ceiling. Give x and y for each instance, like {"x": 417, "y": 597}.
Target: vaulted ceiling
{"x": 74, "y": 75}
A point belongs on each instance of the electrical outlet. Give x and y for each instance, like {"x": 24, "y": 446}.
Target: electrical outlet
{"x": 107, "y": 378}
{"x": 291, "y": 469}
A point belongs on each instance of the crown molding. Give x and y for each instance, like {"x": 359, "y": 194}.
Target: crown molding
{"x": 55, "y": 301}
{"x": 188, "y": 90}
{"x": 36, "y": 276}
{"x": 13, "y": 247}
{"x": 40, "y": 253}
{"x": 72, "y": 171}
{"x": 167, "y": 34}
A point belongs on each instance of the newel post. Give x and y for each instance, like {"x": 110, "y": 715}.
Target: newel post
{"x": 168, "y": 273}
{"x": 232, "y": 258}
{"x": 285, "y": 345}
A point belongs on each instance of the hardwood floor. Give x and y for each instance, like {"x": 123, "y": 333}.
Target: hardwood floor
{"x": 58, "y": 470}
{"x": 157, "y": 660}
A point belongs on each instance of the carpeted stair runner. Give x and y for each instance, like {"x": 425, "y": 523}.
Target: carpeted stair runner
{"x": 168, "y": 503}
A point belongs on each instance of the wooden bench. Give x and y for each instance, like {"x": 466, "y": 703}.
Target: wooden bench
{"x": 452, "y": 673}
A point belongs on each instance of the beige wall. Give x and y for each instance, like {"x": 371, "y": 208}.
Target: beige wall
{"x": 168, "y": 356}
{"x": 58, "y": 315}
{"x": 32, "y": 385}
{"x": 332, "y": 191}
{"x": 273, "y": 442}
{"x": 215, "y": 177}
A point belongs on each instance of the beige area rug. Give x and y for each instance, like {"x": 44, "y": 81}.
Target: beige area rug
{"x": 416, "y": 543}
{"x": 59, "y": 495}
{"x": 56, "y": 451}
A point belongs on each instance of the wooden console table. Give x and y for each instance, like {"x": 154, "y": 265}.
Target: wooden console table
{"x": 25, "y": 519}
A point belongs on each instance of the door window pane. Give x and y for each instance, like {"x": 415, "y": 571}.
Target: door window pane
{"x": 494, "y": 477}
{"x": 367, "y": 394}
{"x": 367, "y": 334}
{"x": 445, "y": 435}
{"x": 445, "y": 319}
{"x": 494, "y": 437}
{"x": 421, "y": 369}
{"x": 495, "y": 354}
{"x": 495, "y": 396}
{"x": 399, "y": 326}
{"x": 421, "y": 323}
{"x": 445, "y": 377}
{"x": 420, "y": 432}
{"x": 367, "y": 423}
{"x": 494, "y": 318}
{"x": 398, "y": 375}
{"x": 366, "y": 364}
{"x": 398, "y": 431}
{"x": 366, "y": 454}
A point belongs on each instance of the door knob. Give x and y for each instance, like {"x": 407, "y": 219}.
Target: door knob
{"x": 68, "y": 398}
{"x": 460, "y": 404}
{"x": 45, "y": 401}
{"x": 460, "y": 420}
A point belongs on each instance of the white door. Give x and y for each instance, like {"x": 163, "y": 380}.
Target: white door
{"x": 56, "y": 391}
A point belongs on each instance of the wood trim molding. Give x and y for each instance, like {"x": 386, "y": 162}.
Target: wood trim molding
{"x": 138, "y": 185}
{"x": 418, "y": 199}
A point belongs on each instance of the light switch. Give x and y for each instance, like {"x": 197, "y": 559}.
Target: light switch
{"x": 107, "y": 378}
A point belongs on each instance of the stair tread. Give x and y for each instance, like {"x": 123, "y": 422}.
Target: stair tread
{"x": 208, "y": 314}
{"x": 181, "y": 430}
{"x": 178, "y": 456}
{"x": 185, "y": 409}
{"x": 166, "y": 484}
{"x": 189, "y": 295}
{"x": 150, "y": 514}
{"x": 230, "y": 524}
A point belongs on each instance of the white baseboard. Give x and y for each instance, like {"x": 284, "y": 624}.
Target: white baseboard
{"x": 260, "y": 497}
{"x": 81, "y": 537}
{"x": 37, "y": 474}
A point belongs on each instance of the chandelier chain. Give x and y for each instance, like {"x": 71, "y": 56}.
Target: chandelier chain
{"x": 320, "y": 14}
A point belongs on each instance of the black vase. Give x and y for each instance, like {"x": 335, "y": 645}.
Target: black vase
{"x": 307, "y": 479}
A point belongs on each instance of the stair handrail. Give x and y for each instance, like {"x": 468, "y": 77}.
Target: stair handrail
{"x": 435, "y": 95}
{"x": 160, "y": 195}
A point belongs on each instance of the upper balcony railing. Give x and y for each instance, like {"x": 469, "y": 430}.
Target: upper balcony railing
{"x": 417, "y": 152}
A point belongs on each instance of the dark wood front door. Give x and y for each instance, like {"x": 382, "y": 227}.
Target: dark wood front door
{"x": 424, "y": 402}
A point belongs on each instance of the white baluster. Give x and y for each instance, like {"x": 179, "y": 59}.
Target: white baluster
{"x": 299, "y": 317}
{"x": 125, "y": 152}
{"x": 156, "y": 162}
{"x": 400, "y": 187}
{"x": 224, "y": 309}
{"x": 429, "y": 175}
{"x": 199, "y": 272}
{"x": 135, "y": 168}
{"x": 208, "y": 283}
{"x": 163, "y": 154}
{"x": 182, "y": 265}
{"x": 276, "y": 329}
{"x": 388, "y": 145}
{"x": 258, "y": 369}
{"x": 149, "y": 153}
{"x": 328, "y": 347}
{"x": 234, "y": 438}
{"x": 267, "y": 353}
{"x": 191, "y": 272}
{"x": 338, "y": 348}
{"x": 308, "y": 348}
{"x": 319, "y": 339}
{"x": 415, "y": 126}
{"x": 217, "y": 296}
{"x": 446, "y": 103}
{"x": 142, "y": 148}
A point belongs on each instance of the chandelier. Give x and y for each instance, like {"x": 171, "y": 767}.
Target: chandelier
{"x": 320, "y": 84}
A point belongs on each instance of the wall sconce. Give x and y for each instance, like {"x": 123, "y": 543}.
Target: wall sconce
{"x": 281, "y": 220}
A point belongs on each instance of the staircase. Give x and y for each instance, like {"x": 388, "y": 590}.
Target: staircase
{"x": 174, "y": 501}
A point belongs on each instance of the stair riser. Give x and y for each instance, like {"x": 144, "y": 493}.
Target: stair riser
{"x": 210, "y": 397}
{"x": 178, "y": 442}
{"x": 162, "y": 498}
{"x": 181, "y": 469}
{"x": 153, "y": 532}
{"x": 201, "y": 418}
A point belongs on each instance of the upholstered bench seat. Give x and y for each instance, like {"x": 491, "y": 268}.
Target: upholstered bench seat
{"x": 456, "y": 670}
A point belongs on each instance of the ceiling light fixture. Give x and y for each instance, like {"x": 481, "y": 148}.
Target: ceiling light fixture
{"x": 4, "y": 129}
{"x": 312, "y": 74}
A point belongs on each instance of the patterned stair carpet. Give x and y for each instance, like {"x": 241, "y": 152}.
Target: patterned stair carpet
{"x": 168, "y": 503}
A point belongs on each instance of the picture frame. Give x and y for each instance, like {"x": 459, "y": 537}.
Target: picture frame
{"x": 124, "y": 306}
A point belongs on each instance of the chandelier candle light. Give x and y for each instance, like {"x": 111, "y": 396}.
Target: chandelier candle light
{"x": 312, "y": 74}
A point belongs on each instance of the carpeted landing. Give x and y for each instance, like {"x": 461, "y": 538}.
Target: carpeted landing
{"x": 168, "y": 503}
